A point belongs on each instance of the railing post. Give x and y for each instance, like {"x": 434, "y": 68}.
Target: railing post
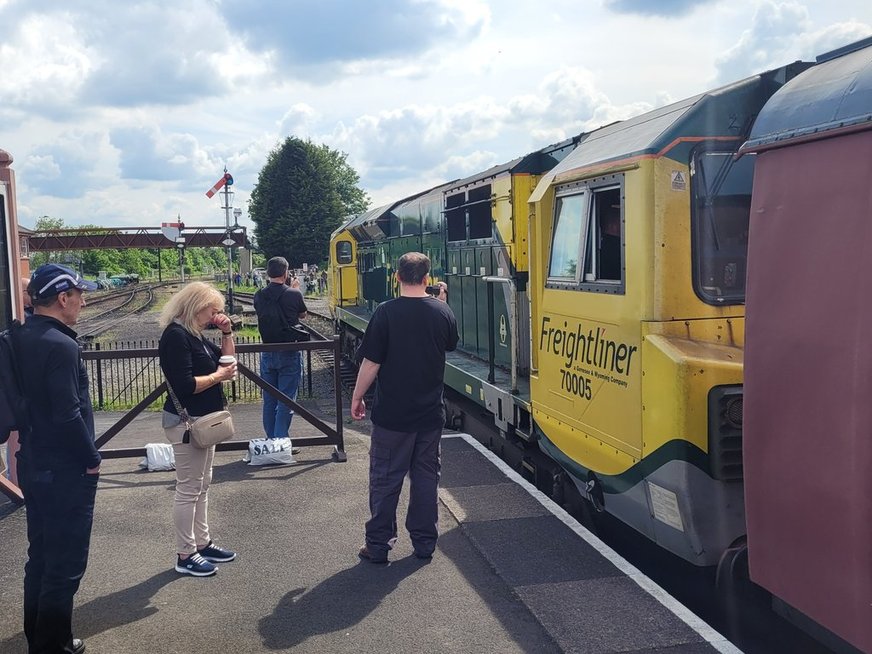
{"x": 309, "y": 370}
{"x": 99, "y": 379}
{"x": 337, "y": 390}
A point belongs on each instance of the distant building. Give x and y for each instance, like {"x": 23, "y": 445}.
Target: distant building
{"x": 24, "y": 250}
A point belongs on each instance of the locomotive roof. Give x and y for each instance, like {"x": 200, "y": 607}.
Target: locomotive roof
{"x": 836, "y": 94}
{"x": 722, "y": 112}
{"x": 368, "y": 216}
{"x": 534, "y": 163}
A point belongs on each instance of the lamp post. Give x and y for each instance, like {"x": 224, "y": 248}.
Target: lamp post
{"x": 180, "y": 244}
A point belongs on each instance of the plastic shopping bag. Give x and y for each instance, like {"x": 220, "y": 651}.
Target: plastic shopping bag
{"x": 269, "y": 451}
{"x": 158, "y": 456}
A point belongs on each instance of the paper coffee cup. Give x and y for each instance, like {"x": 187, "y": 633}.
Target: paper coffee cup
{"x": 227, "y": 360}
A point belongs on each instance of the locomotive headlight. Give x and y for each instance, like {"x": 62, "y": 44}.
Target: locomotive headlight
{"x": 733, "y": 411}
{"x": 725, "y": 405}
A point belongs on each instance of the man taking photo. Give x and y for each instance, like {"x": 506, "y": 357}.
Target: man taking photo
{"x": 279, "y": 307}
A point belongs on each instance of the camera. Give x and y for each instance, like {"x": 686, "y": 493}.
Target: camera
{"x": 432, "y": 290}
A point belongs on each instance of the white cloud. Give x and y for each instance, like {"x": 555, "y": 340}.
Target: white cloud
{"x": 126, "y": 113}
{"x": 446, "y": 142}
{"x": 297, "y": 121}
{"x": 44, "y": 63}
{"x": 782, "y": 32}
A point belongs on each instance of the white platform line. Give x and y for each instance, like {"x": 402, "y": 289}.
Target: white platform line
{"x": 692, "y": 620}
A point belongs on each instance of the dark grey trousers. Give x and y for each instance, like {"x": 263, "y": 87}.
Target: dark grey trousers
{"x": 393, "y": 455}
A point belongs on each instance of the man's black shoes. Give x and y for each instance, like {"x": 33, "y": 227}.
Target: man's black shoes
{"x": 78, "y": 646}
{"x": 367, "y": 555}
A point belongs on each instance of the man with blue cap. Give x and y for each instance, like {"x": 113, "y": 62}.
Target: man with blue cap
{"x": 58, "y": 464}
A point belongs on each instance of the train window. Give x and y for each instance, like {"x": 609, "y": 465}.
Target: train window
{"x": 587, "y": 251}
{"x": 720, "y": 213}
{"x": 455, "y": 216}
{"x": 343, "y": 252}
{"x": 603, "y": 248}
{"x": 480, "y": 215}
{"x": 568, "y": 237}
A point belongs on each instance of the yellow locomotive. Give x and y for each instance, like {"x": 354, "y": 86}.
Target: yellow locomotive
{"x": 599, "y": 286}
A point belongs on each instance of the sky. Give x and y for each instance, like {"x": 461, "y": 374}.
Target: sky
{"x": 124, "y": 114}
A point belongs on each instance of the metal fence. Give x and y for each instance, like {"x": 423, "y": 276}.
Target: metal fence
{"x": 117, "y": 384}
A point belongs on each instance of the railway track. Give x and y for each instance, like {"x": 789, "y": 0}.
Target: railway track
{"x": 91, "y": 326}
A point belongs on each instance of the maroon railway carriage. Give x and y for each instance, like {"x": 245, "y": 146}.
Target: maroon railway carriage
{"x": 808, "y": 353}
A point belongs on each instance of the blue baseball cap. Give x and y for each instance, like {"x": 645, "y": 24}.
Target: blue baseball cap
{"x": 52, "y": 278}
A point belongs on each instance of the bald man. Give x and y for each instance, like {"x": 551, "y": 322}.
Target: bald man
{"x": 28, "y": 305}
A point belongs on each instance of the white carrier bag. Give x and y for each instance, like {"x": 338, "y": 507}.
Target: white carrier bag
{"x": 269, "y": 451}
{"x": 158, "y": 456}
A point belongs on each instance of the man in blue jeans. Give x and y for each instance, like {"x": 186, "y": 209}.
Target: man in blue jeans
{"x": 403, "y": 352}
{"x": 279, "y": 307}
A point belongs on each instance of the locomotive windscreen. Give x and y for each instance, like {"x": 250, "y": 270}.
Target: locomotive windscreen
{"x": 721, "y": 209}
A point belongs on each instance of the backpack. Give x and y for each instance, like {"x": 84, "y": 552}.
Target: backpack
{"x": 272, "y": 323}
{"x": 13, "y": 405}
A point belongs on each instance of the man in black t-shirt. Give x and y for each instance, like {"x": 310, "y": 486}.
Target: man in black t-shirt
{"x": 403, "y": 351}
{"x": 279, "y": 306}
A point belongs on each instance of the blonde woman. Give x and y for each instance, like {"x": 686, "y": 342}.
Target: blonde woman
{"x": 190, "y": 365}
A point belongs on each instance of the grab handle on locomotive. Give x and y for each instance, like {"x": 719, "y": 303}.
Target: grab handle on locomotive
{"x": 491, "y": 346}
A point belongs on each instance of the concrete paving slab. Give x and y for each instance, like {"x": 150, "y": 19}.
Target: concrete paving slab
{"x": 465, "y": 472}
{"x": 494, "y": 502}
{"x": 605, "y": 615}
{"x": 537, "y": 550}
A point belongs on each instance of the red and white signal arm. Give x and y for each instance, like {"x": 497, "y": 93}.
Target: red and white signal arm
{"x": 171, "y": 231}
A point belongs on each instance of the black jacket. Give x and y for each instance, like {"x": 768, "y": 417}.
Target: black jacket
{"x": 184, "y": 356}
{"x": 56, "y": 387}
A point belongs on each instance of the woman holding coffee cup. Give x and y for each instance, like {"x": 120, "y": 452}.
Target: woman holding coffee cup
{"x": 190, "y": 364}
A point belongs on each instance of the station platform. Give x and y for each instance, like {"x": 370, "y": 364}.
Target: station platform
{"x": 512, "y": 571}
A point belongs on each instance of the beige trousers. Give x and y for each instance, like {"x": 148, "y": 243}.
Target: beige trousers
{"x": 191, "y": 503}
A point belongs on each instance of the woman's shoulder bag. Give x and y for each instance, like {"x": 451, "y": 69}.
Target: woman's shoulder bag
{"x": 205, "y": 431}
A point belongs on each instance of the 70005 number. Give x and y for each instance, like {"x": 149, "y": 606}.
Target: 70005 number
{"x": 575, "y": 384}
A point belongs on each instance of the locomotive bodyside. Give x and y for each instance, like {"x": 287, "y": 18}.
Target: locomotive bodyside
{"x": 638, "y": 366}
{"x": 475, "y": 232}
{"x": 342, "y": 269}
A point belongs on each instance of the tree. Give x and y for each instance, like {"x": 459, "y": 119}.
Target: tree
{"x": 302, "y": 195}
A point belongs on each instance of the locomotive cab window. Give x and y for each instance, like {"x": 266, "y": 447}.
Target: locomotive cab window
{"x": 721, "y": 210}
{"x": 587, "y": 251}
{"x": 343, "y": 252}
